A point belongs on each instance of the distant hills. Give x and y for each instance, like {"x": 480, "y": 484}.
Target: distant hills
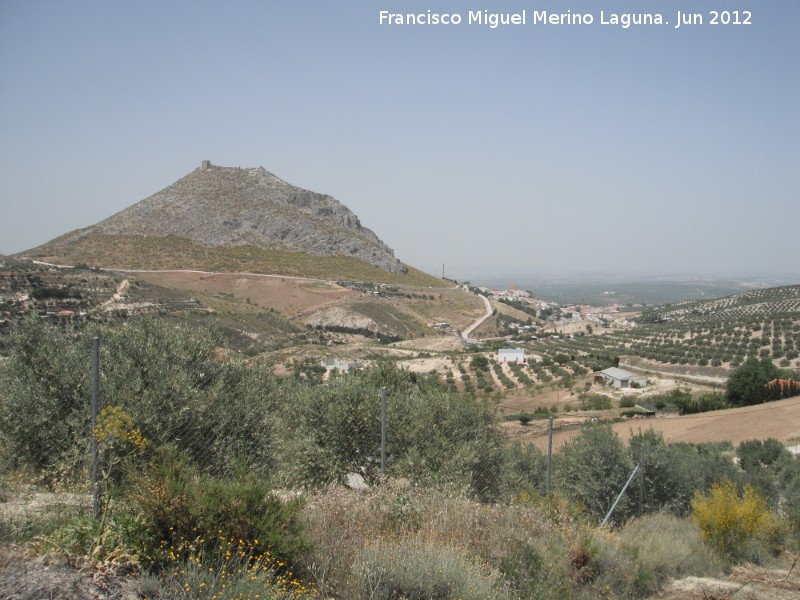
{"x": 233, "y": 218}
{"x": 766, "y": 302}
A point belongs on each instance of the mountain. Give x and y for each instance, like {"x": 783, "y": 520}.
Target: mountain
{"x": 232, "y": 207}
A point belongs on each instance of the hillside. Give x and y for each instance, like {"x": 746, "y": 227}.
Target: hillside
{"x": 768, "y": 301}
{"x": 234, "y": 219}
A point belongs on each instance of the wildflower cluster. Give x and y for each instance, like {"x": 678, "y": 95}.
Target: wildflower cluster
{"x": 218, "y": 567}
{"x": 728, "y": 521}
{"x": 114, "y": 425}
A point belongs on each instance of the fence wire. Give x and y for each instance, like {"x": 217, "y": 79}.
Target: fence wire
{"x": 162, "y": 387}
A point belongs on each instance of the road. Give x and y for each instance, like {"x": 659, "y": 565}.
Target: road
{"x": 111, "y": 270}
{"x": 476, "y": 324}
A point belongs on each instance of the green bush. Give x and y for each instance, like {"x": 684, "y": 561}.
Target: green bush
{"x": 420, "y": 571}
{"x": 707, "y": 402}
{"x": 168, "y": 380}
{"x": 664, "y": 547}
{"x": 524, "y": 469}
{"x": 595, "y": 402}
{"x": 179, "y": 504}
{"x": 592, "y": 469}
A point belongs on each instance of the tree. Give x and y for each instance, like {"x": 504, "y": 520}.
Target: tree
{"x": 748, "y": 384}
{"x": 168, "y": 380}
{"x": 479, "y": 363}
{"x": 668, "y": 472}
{"x": 592, "y": 469}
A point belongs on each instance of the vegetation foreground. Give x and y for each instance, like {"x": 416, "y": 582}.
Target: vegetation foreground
{"x": 220, "y": 480}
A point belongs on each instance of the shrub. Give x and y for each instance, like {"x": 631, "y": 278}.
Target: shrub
{"x": 669, "y": 472}
{"x": 664, "y": 547}
{"x": 525, "y": 467}
{"x": 228, "y": 567}
{"x": 122, "y": 535}
{"x": 595, "y": 402}
{"x": 707, "y": 402}
{"x": 747, "y": 385}
{"x": 180, "y": 505}
{"x": 409, "y": 569}
{"x": 734, "y": 525}
{"x": 592, "y": 469}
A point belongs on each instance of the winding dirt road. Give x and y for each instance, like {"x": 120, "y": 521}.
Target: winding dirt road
{"x": 476, "y": 324}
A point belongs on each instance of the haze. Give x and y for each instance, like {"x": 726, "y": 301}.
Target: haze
{"x": 557, "y": 149}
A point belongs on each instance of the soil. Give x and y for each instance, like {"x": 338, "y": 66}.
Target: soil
{"x": 746, "y": 582}
{"x": 779, "y": 420}
{"x": 289, "y": 296}
{"x": 25, "y": 577}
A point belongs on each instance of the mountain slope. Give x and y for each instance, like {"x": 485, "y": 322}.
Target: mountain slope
{"x": 231, "y": 207}
{"x": 766, "y": 301}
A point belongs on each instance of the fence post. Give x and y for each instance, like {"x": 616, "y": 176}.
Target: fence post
{"x": 641, "y": 479}
{"x": 96, "y": 491}
{"x": 383, "y": 432}
{"x": 549, "y": 454}
{"x": 703, "y": 480}
{"x": 625, "y": 487}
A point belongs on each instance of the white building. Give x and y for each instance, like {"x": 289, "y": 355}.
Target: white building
{"x": 515, "y": 355}
{"x": 342, "y": 366}
{"x": 620, "y": 378}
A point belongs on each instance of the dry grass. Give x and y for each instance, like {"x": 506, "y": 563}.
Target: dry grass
{"x": 345, "y": 524}
{"x": 134, "y": 252}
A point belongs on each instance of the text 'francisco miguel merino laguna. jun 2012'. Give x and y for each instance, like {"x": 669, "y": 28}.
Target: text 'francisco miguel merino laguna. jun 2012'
{"x": 494, "y": 20}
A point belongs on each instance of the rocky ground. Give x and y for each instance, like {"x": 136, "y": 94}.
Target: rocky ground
{"x": 25, "y": 577}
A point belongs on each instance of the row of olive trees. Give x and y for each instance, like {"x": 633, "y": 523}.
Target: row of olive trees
{"x": 230, "y": 418}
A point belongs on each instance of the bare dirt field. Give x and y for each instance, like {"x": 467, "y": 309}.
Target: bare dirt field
{"x": 779, "y": 420}
{"x": 286, "y": 295}
{"x": 433, "y": 343}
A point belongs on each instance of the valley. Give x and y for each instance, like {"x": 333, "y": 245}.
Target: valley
{"x": 452, "y": 332}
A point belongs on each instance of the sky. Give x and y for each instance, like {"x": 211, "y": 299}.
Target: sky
{"x": 561, "y": 149}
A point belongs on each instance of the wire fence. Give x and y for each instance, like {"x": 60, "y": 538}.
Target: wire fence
{"x": 148, "y": 388}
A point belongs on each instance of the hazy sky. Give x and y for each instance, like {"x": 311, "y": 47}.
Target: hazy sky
{"x": 565, "y": 148}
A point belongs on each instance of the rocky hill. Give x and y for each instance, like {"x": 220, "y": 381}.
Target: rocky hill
{"x": 235, "y": 207}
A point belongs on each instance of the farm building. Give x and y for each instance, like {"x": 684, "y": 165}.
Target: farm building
{"x": 342, "y": 365}
{"x": 619, "y": 378}
{"x": 515, "y": 355}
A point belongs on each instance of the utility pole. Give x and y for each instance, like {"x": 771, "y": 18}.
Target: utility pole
{"x": 549, "y": 453}
{"x": 96, "y": 491}
{"x": 383, "y": 432}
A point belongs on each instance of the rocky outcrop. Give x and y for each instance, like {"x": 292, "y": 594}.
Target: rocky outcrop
{"x": 231, "y": 206}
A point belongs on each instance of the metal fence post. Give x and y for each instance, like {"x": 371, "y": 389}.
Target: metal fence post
{"x": 96, "y": 491}
{"x": 549, "y": 454}
{"x": 641, "y": 479}
{"x": 625, "y": 487}
{"x": 383, "y": 432}
{"x": 703, "y": 480}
